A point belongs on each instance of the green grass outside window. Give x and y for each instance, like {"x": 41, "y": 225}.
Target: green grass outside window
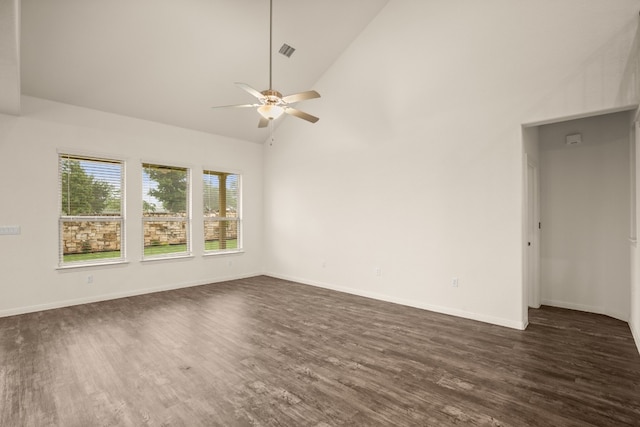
{"x": 212, "y": 245}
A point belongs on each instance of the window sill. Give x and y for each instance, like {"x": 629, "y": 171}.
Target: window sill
{"x": 167, "y": 258}
{"x": 71, "y": 266}
{"x": 218, "y": 253}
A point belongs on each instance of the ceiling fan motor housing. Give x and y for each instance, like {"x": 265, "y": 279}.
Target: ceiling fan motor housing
{"x": 272, "y": 96}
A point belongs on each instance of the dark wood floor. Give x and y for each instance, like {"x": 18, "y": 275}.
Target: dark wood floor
{"x": 265, "y": 352}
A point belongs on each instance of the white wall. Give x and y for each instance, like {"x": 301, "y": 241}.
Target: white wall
{"x": 415, "y": 166}
{"x": 530, "y": 139}
{"x": 29, "y": 198}
{"x": 10, "y": 56}
{"x": 585, "y": 196}
{"x": 634, "y": 321}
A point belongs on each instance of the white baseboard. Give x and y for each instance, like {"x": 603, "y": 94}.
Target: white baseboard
{"x": 107, "y": 297}
{"x": 435, "y": 308}
{"x": 636, "y": 335}
{"x": 589, "y": 309}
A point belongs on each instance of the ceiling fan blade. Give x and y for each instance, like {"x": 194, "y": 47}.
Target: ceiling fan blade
{"x": 238, "y": 106}
{"x": 250, "y": 90}
{"x": 263, "y": 123}
{"x": 302, "y": 96}
{"x": 301, "y": 114}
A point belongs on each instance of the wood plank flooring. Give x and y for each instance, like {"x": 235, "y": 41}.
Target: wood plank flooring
{"x": 266, "y": 352}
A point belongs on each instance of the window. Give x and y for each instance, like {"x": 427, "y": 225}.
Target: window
{"x": 165, "y": 211}
{"x": 91, "y": 221}
{"x": 221, "y": 194}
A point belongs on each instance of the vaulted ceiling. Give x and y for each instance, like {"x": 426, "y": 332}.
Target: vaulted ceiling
{"x": 170, "y": 61}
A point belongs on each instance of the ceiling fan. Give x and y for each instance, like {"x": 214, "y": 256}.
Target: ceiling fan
{"x": 271, "y": 102}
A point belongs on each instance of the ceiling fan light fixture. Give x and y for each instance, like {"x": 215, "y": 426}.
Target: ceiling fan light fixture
{"x": 272, "y": 103}
{"x": 270, "y": 112}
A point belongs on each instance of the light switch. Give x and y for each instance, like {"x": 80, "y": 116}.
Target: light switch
{"x": 9, "y": 229}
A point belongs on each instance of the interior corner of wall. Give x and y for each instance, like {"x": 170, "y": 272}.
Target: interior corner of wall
{"x": 635, "y": 331}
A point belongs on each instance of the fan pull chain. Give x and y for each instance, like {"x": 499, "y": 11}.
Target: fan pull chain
{"x": 271, "y": 138}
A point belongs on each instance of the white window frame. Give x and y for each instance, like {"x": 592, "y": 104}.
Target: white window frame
{"x": 187, "y": 219}
{"x": 121, "y": 219}
{"x": 238, "y": 219}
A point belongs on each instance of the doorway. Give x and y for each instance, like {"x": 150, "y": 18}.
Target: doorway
{"x": 577, "y": 213}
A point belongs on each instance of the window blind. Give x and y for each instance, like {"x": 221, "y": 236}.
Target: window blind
{"x": 221, "y": 211}
{"x": 165, "y": 207}
{"x": 91, "y": 217}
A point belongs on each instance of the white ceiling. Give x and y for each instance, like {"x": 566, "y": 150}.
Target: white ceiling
{"x": 170, "y": 61}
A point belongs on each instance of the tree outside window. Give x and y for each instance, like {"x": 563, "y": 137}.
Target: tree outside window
{"x": 165, "y": 202}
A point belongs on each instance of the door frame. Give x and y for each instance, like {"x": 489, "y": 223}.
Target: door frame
{"x": 532, "y": 243}
{"x": 524, "y": 214}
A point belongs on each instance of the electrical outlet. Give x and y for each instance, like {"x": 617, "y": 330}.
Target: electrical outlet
{"x": 90, "y": 278}
{"x": 378, "y": 271}
{"x": 454, "y": 282}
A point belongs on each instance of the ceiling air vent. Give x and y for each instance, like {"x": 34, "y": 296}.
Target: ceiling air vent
{"x": 287, "y": 50}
